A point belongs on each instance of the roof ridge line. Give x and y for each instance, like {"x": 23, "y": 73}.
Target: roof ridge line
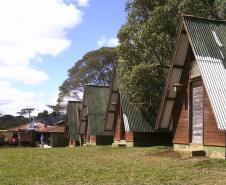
{"x": 203, "y": 18}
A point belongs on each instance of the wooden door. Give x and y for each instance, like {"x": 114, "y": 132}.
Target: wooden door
{"x": 197, "y": 112}
{"x": 122, "y": 127}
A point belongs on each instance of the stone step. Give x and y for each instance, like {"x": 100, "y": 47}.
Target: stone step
{"x": 122, "y": 143}
{"x": 192, "y": 150}
{"x": 194, "y": 146}
{"x": 186, "y": 153}
{"x": 198, "y": 153}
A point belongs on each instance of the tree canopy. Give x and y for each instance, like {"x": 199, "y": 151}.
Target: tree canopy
{"x": 9, "y": 121}
{"x": 147, "y": 41}
{"x": 94, "y": 68}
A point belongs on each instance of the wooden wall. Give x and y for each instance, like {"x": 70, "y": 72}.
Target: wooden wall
{"x": 87, "y": 134}
{"x": 58, "y": 140}
{"x": 129, "y": 136}
{"x": 212, "y": 135}
{"x": 182, "y": 133}
{"x": 181, "y": 120}
{"x": 180, "y": 111}
{"x": 119, "y": 127}
{"x": 117, "y": 132}
{"x": 92, "y": 139}
{"x": 27, "y": 137}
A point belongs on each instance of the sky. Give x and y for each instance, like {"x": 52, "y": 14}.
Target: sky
{"x": 41, "y": 39}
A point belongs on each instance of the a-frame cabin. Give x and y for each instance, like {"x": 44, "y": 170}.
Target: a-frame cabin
{"x": 193, "y": 105}
{"x": 73, "y": 121}
{"x": 93, "y": 114}
{"x": 128, "y": 123}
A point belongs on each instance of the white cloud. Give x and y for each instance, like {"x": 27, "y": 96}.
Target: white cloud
{"x": 108, "y": 42}
{"x": 30, "y": 29}
{"x": 13, "y": 100}
{"x": 79, "y": 3}
{"x": 82, "y": 2}
{"x": 22, "y": 73}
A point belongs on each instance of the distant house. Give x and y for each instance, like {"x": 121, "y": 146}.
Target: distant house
{"x": 53, "y": 135}
{"x": 128, "y": 124}
{"x": 57, "y": 137}
{"x": 93, "y": 114}
{"x": 194, "y": 101}
{"x": 3, "y": 134}
{"x": 27, "y": 135}
{"x": 73, "y": 115}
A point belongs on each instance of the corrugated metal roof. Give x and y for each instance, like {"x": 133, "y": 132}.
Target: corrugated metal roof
{"x": 24, "y": 126}
{"x": 208, "y": 39}
{"x": 95, "y": 98}
{"x": 133, "y": 119}
{"x": 57, "y": 129}
{"x": 174, "y": 76}
{"x": 73, "y": 108}
{"x": 113, "y": 104}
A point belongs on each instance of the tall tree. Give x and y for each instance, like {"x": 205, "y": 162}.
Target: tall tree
{"x": 94, "y": 68}
{"x": 55, "y": 108}
{"x": 147, "y": 41}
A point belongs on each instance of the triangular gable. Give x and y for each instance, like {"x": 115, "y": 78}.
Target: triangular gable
{"x": 207, "y": 39}
{"x": 84, "y": 117}
{"x": 94, "y": 109}
{"x": 133, "y": 119}
{"x": 113, "y": 105}
{"x": 73, "y": 108}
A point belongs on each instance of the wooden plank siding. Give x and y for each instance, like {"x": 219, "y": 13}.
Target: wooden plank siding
{"x": 117, "y": 134}
{"x": 180, "y": 110}
{"x": 182, "y": 132}
{"x": 212, "y": 135}
{"x": 119, "y": 128}
{"x": 181, "y": 126}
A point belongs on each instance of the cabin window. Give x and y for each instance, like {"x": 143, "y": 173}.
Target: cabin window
{"x": 195, "y": 72}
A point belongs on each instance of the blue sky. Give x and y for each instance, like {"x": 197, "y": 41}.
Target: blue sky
{"x": 39, "y": 49}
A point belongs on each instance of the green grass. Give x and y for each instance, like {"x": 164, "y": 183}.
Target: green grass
{"x": 106, "y": 166}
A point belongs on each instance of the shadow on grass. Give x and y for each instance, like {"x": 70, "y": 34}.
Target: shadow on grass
{"x": 164, "y": 152}
{"x": 211, "y": 163}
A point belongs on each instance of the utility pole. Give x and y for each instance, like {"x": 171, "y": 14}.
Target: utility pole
{"x": 27, "y": 111}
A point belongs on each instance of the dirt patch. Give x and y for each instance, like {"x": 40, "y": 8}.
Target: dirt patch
{"x": 164, "y": 153}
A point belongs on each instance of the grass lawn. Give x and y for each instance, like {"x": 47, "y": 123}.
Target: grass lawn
{"x": 107, "y": 166}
